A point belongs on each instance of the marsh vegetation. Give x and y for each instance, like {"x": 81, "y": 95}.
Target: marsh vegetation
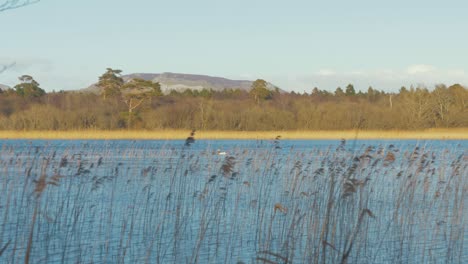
{"x": 277, "y": 201}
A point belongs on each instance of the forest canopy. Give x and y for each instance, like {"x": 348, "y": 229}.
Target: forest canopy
{"x": 140, "y": 104}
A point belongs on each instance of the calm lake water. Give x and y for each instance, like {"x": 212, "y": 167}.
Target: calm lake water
{"x": 264, "y": 201}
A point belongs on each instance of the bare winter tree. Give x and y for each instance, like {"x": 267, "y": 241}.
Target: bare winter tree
{"x": 6, "y": 67}
{"x": 12, "y": 4}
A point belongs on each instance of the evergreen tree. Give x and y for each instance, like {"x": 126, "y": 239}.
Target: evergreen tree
{"x": 350, "y": 90}
{"x": 259, "y": 91}
{"x": 135, "y": 92}
{"x": 111, "y": 82}
{"x": 339, "y": 92}
{"x": 28, "y": 87}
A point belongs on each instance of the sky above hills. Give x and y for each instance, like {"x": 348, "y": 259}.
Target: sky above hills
{"x": 296, "y": 44}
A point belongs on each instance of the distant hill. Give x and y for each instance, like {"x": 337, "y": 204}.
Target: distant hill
{"x": 180, "y": 82}
{"x": 4, "y": 87}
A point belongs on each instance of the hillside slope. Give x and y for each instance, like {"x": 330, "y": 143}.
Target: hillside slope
{"x": 180, "y": 82}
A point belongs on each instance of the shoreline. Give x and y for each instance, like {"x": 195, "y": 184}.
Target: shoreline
{"x": 441, "y": 134}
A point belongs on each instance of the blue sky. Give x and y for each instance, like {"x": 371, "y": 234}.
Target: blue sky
{"x": 296, "y": 45}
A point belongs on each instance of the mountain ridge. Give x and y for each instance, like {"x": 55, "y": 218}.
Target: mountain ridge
{"x": 182, "y": 81}
{"x": 4, "y": 87}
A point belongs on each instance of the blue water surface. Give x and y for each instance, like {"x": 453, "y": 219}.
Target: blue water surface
{"x": 283, "y": 201}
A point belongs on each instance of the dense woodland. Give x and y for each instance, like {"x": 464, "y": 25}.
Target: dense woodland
{"x": 139, "y": 104}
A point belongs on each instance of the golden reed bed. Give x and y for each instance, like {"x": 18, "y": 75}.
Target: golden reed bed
{"x": 461, "y": 133}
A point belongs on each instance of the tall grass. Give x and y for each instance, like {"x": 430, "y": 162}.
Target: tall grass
{"x": 134, "y": 202}
{"x": 452, "y": 133}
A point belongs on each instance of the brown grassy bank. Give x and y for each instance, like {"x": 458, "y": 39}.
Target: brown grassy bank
{"x": 182, "y": 134}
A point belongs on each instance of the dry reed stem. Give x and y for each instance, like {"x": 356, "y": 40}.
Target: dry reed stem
{"x": 281, "y": 208}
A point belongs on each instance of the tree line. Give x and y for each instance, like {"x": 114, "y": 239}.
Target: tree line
{"x": 140, "y": 104}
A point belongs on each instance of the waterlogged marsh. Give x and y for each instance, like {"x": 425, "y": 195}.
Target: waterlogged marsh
{"x": 264, "y": 201}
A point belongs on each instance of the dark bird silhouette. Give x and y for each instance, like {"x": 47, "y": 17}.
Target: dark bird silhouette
{"x": 191, "y": 139}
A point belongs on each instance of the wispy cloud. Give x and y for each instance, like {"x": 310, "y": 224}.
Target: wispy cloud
{"x": 420, "y": 68}
{"x": 382, "y": 79}
{"x": 325, "y": 72}
{"x": 456, "y": 72}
